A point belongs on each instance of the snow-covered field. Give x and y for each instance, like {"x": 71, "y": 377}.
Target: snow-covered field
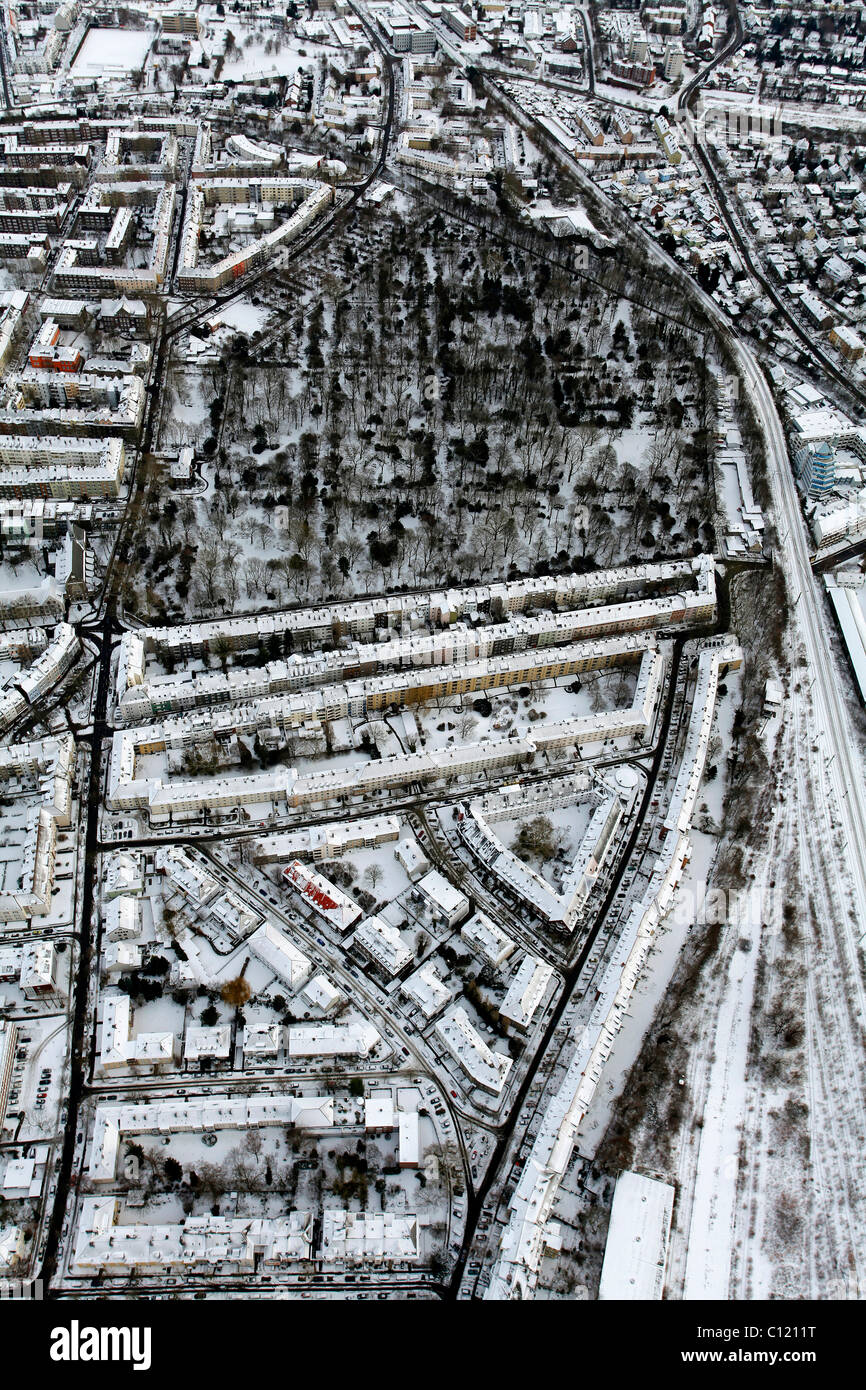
{"x": 112, "y": 51}
{"x": 766, "y": 1044}
{"x": 251, "y": 58}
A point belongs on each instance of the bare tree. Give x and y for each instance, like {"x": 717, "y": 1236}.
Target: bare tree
{"x": 373, "y": 875}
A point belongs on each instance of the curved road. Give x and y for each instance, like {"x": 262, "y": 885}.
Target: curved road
{"x": 704, "y": 160}
{"x": 831, "y": 717}
{"x": 833, "y": 728}
{"x": 590, "y": 51}
{"x": 832, "y": 725}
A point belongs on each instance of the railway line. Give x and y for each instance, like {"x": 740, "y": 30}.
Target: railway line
{"x": 834, "y": 1026}
{"x": 749, "y": 1212}
{"x": 831, "y": 826}
{"x": 507, "y": 1147}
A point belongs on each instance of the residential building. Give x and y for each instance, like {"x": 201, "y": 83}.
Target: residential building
{"x": 483, "y": 1066}
{"x": 445, "y": 901}
{"x": 526, "y": 992}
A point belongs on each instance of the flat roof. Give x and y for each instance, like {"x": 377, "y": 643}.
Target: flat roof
{"x": 635, "y": 1256}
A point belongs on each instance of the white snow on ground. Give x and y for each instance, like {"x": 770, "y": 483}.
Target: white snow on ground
{"x": 543, "y": 209}
{"x": 569, "y": 823}
{"x": 112, "y": 51}
{"x": 241, "y": 314}
{"x": 188, "y": 406}
{"x": 690, "y": 906}
{"x": 250, "y": 58}
{"x": 712, "y": 1225}
{"x": 737, "y": 1164}
{"x": 394, "y": 879}
{"x": 648, "y": 995}
{"x": 22, "y": 575}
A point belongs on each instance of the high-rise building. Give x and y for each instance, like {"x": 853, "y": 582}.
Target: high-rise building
{"x": 674, "y": 59}
{"x": 816, "y": 467}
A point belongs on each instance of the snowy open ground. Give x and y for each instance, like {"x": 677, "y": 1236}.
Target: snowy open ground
{"x": 420, "y": 404}
{"x": 112, "y": 51}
